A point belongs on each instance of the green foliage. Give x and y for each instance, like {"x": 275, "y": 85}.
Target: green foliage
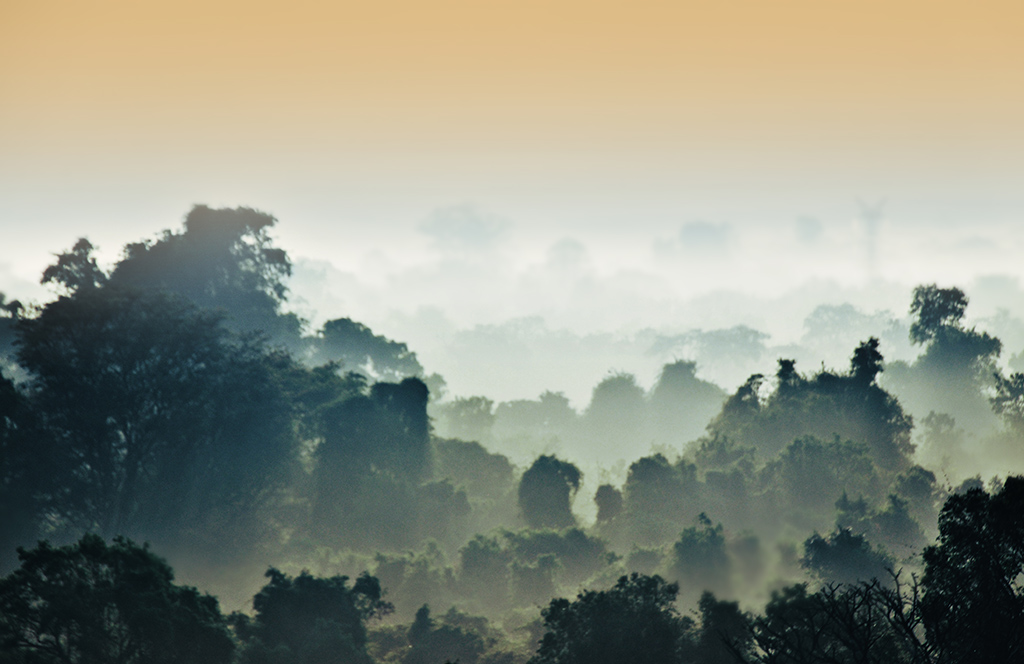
{"x": 310, "y": 619}
{"x": 545, "y": 492}
{"x": 92, "y": 602}
{"x": 635, "y": 621}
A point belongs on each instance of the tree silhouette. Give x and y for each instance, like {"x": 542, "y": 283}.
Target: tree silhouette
{"x": 935, "y": 308}
{"x": 635, "y": 621}
{"x": 545, "y": 492}
{"x": 157, "y": 414}
{"x": 93, "y": 602}
{"x": 973, "y": 597}
{"x": 310, "y": 619}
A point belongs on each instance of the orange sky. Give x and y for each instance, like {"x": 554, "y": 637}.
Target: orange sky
{"x": 432, "y": 74}
{"x": 117, "y": 115}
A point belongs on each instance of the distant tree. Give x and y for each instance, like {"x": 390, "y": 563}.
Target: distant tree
{"x": 92, "y": 602}
{"x": 700, "y": 560}
{"x": 1008, "y": 400}
{"x": 468, "y": 418}
{"x": 357, "y": 348}
{"x": 617, "y": 412}
{"x": 310, "y": 619}
{"x": 635, "y": 621}
{"x": 545, "y": 493}
{"x": 973, "y": 599}
{"x": 75, "y": 269}
{"x": 682, "y": 404}
{"x": 844, "y": 557}
{"x": 609, "y": 502}
{"x": 935, "y": 308}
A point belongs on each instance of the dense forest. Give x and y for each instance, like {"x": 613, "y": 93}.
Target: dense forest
{"x": 324, "y": 500}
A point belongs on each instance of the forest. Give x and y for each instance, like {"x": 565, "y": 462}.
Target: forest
{"x": 190, "y": 473}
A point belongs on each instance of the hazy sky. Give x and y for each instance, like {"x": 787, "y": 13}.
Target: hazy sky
{"x": 596, "y": 163}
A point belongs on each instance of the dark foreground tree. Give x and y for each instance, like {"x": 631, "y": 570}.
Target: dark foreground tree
{"x": 973, "y": 590}
{"x": 310, "y": 619}
{"x": 635, "y": 621}
{"x": 91, "y": 602}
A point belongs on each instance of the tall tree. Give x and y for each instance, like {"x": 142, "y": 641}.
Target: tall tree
{"x": 222, "y": 259}
{"x": 158, "y": 415}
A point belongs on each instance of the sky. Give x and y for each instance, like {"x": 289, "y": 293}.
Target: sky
{"x": 603, "y": 167}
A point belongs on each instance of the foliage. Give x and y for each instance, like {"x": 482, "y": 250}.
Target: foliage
{"x": 93, "y": 602}
{"x": 222, "y": 259}
{"x": 310, "y": 619}
{"x": 156, "y": 413}
{"x": 635, "y": 621}
{"x": 545, "y": 492}
{"x": 973, "y": 597}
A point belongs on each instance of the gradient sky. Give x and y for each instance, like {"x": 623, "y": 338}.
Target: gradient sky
{"x": 644, "y": 145}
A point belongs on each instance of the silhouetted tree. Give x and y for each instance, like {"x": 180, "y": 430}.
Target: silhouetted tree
{"x": 973, "y": 599}
{"x": 157, "y": 414}
{"x": 75, "y": 269}
{"x": 545, "y": 493}
{"x": 635, "y": 621}
{"x": 310, "y": 619}
{"x": 935, "y": 308}
{"x": 357, "y": 348}
{"x": 609, "y": 502}
{"x": 844, "y": 557}
{"x": 92, "y": 602}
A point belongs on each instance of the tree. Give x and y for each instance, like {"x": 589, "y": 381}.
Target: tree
{"x": 844, "y": 557}
{"x": 93, "y": 602}
{"x": 222, "y": 259}
{"x": 158, "y": 416}
{"x": 310, "y": 619}
{"x": 973, "y": 594}
{"x": 75, "y": 269}
{"x": 635, "y": 621}
{"x": 935, "y": 308}
{"x": 357, "y": 348}
{"x": 546, "y": 490}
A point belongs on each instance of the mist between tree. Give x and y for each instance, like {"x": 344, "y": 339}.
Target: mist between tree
{"x": 344, "y": 508}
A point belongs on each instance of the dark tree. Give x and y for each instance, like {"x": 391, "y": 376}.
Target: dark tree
{"x": 222, "y": 259}
{"x": 75, "y": 269}
{"x": 157, "y": 414}
{"x": 91, "y": 602}
{"x": 26, "y": 476}
{"x": 609, "y": 502}
{"x": 310, "y": 619}
{"x": 844, "y": 557}
{"x": 935, "y": 308}
{"x": 635, "y": 621}
{"x": 973, "y": 596}
{"x": 357, "y": 348}
{"x": 545, "y": 493}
